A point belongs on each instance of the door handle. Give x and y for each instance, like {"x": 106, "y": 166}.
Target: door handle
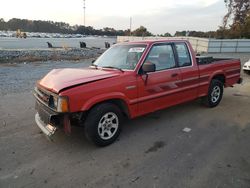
{"x": 174, "y": 75}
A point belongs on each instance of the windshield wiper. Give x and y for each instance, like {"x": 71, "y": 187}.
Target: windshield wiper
{"x": 111, "y": 67}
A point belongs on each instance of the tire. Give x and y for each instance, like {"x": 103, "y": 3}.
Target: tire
{"x": 215, "y": 93}
{"x": 103, "y": 124}
{"x": 246, "y": 72}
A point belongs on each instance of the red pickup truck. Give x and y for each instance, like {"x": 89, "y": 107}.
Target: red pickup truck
{"x": 129, "y": 80}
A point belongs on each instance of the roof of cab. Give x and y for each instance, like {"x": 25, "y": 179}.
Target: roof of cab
{"x": 148, "y": 42}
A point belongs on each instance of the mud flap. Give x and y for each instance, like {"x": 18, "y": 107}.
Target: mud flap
{"x": 66, "y": 124}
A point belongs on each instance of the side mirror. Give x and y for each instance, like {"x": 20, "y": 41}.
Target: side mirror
{"x": 93, "y": 61}
{"x": 148, "y": 67}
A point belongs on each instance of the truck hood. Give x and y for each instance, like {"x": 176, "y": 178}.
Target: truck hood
{"x": 59, "y": 79}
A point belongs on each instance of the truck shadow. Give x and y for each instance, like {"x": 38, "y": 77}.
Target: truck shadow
{"x": 163, "y": 124}
{"x": 161, "y": 118}
{"x": 144, "y": 125}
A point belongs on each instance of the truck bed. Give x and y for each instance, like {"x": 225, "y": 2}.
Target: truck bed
{"x": 204, "y": 60}
{"x": 229, "y": 68}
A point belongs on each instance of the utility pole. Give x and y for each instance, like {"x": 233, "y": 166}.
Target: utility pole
{"x": 84, "y": 9}
{"x": 130, "y": 26}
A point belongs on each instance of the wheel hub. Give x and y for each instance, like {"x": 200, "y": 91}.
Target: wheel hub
{"x": 215, "y": 94}
{"x": 108, "y": 125}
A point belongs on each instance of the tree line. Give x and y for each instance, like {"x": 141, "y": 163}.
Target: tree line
{"x": 64, "y": 28}
{"x": 54, "y": 27}
{"x": 236, "y": 24}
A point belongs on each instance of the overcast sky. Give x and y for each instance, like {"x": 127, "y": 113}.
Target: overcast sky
{"x": 159, "y": 16}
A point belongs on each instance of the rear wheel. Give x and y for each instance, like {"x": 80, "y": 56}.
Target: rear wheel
{"x": 215, "y": 93}
{"x": 103, "y": 124}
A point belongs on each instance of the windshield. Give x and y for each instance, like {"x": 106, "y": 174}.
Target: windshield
{"x": 121, "y": 56}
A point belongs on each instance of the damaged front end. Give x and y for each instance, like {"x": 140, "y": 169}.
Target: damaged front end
{"x": 52, "y": 112}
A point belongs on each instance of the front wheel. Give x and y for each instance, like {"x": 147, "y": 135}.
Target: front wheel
{"x": 103, "y": 124}
{"x": 215, "y": 93}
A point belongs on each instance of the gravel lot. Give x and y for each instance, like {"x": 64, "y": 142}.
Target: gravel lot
{"x": 52, "y": 54}
{"x": 152, "y": 151}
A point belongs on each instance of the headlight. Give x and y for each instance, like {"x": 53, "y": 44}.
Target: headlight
{"x": 62, "y": 104}
{"x": 55, "y": 102}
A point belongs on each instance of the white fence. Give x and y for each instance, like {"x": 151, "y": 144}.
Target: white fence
{"x": 202, "y": 44}
{"x": 234, "y": 45}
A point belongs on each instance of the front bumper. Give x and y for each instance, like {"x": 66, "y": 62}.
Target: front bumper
{"x": 48, "y": 129}
{"x": 50, "y": 121}
{"x": 46, "y": 119}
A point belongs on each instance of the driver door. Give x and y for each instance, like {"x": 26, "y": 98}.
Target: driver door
{"x": 159, "y": 89}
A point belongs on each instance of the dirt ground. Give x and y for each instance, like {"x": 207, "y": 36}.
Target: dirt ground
{"x": 151, "y": 152}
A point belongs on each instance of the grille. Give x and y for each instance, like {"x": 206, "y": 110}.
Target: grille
{"x": 43, "y": 96}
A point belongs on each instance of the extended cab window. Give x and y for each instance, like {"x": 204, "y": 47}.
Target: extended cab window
{"x": 183, "y": 55}
{"x": 162, "y": 56}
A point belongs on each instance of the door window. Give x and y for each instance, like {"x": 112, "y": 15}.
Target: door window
{"x": 162, "y": 56}
{"x": 183, "y": 55}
